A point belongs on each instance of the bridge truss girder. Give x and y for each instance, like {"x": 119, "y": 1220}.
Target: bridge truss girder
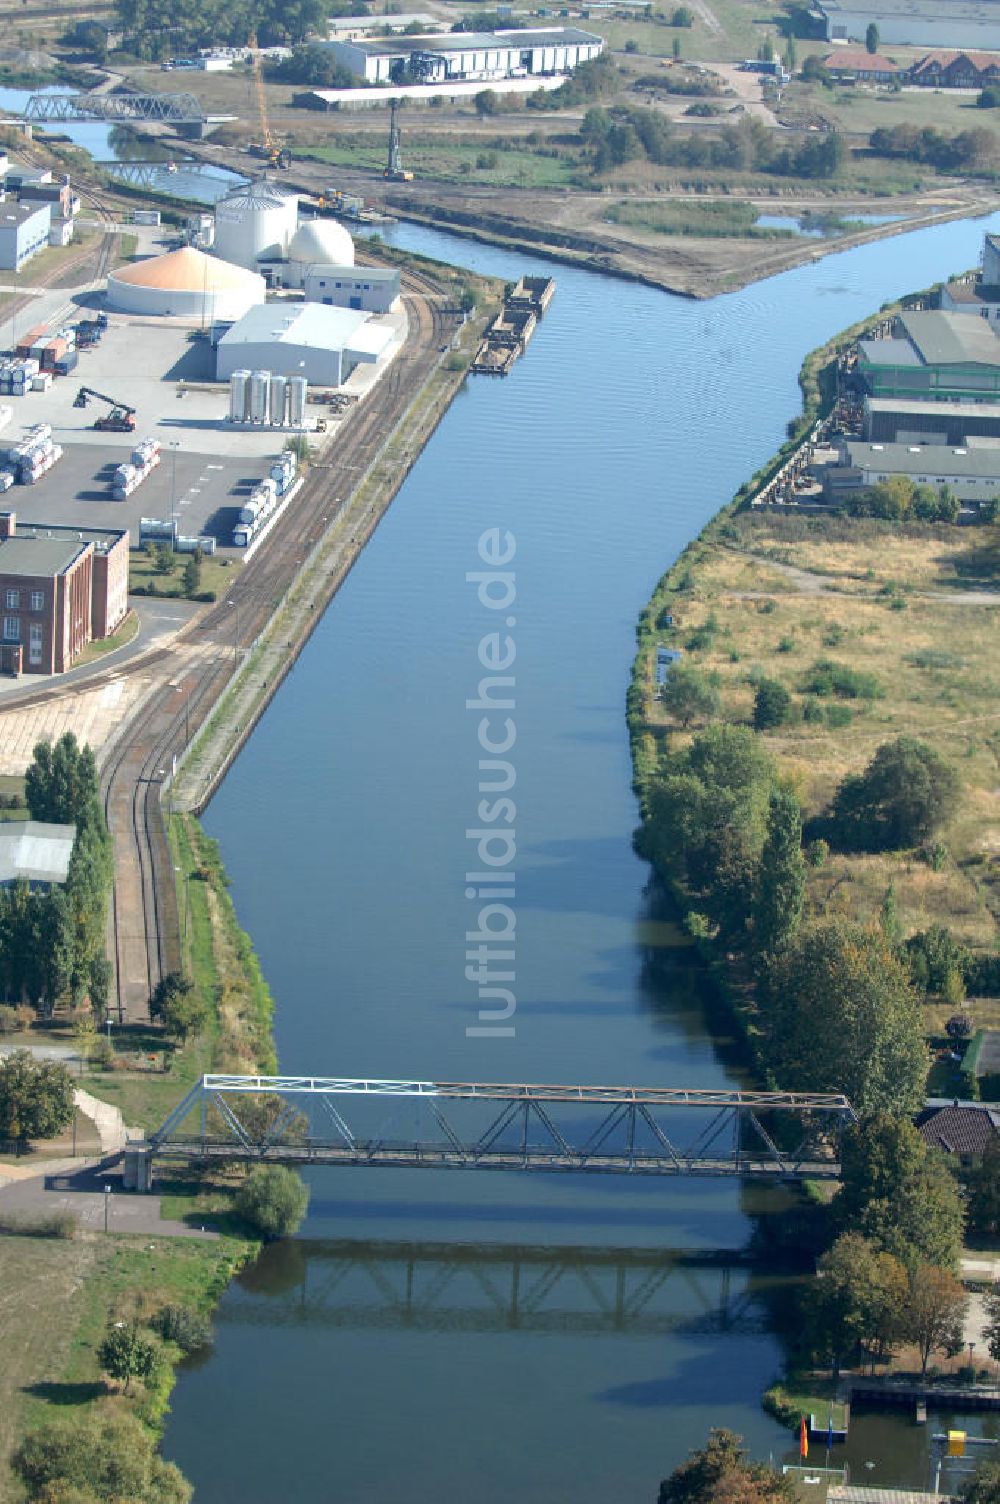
{"x": 114, "y": 109}
{"x": 479, "y": 1125}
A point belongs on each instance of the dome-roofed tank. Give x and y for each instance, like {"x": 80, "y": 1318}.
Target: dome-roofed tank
{"x": 321, "y": 242}
{"x": 254, "y": 221}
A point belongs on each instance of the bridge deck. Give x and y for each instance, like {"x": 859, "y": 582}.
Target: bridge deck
{"x": 430, "y": 1157}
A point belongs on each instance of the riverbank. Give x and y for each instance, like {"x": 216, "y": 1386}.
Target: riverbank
{"x": 70, "y": 1290}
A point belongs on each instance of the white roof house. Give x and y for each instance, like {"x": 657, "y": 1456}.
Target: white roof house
{"x": 314, "y": 340}
{"x": 34, "y": 852}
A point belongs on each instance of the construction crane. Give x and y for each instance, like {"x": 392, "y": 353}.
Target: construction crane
{"x": 121, "y": 418}
{"x": 394, "y": 162}
{"x": 276, "y": 156}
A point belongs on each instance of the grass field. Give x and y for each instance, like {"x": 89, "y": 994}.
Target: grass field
{"x": 216, "y": 574}
{"x": 898, "y": 603}
{"x": 475, "y": 162}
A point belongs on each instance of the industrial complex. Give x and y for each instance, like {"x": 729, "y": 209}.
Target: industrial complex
{"x": 466, "y": 56}
{"x": 267, "y": 331}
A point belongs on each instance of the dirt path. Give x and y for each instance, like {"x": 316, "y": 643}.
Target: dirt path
{"x": 809, "y": 583}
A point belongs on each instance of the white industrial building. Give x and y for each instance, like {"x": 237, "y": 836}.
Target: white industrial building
{"x": 24, "y": 230}
{"x": 314, "y": 241}
{"x": 981, "y": 294}
{"x": 321, "y": 343}
{"x": 485, "y": 57}
{"x": 919, "y": 23}
{"x": 343, "y": 28}
{"x": 185, "y": 284}
{"x": 254, "y": 223}
{"x": 371, "y": 289}
{"x": 972, "y": 471}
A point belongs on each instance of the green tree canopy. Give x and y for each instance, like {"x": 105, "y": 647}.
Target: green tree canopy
{"x": 722, "y": 1470}
{"x": 841, "y": 1015}
{"x": 984, "y": 1196}
{"x": 771, "y": 706}
{"x": 780, "y": 889}
{"x": 907, "y": 792}
{"x": 36, "y": 1097}
{"x": 871, "y": 38}
{"x": 273, "y": 1200}
{"x": 855, "y": 1302}
{"x": 61, "y": 784}
{"x": 984, "y": 1485}
{"x": 899, "y": 1193}
{"x": 689, "y": 695}
{"x": 127, "y": 1353}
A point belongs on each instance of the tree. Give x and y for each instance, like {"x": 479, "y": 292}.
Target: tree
{"x": 937, "y": 962}
{"x": 188, "y": 1328}
{"x": 127, "y": 1354}
{"x": 856, "y": 1300}
{"x": 935, "y": 1311}
{"x": 184, "y": 1013}
{"x": 273, "y": 1200}
{"x": 688, "y": 695}
{"x": 771, "y": 706}
{"x": 675, "y": 49}
{"x": 61, "y": 784}
{"x": 984, "y": 1485}
{"x": 791, "y": 57}
{"x": 192, "y": 574}
{"x": 871, "y": 38}
{"x": 900, "y": 1194}
{"x": 108, "y": 1457}
{"x": 903, "y": 797}
{"x": 983, "y": 1186}
{"x": 36, "y": 1097}
{"x": 841, "y": 1015}
{"x": 682, "y": 16}
{"x": 780, "y": 890}
{"x": 959, "y": 1026}
{"x": 991, "y": 1329}
{"x": 488, "y": 102}
{"x": 722, "y": 1470}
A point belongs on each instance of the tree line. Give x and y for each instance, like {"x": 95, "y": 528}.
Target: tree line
{"x": 159, "y": 28}
{"x": 622, "y": 135}
{"x": 52, "y": 942}
{"x": 963, "y": 150}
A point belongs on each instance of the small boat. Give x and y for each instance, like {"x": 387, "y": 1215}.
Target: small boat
{"x": 171, "y": 166}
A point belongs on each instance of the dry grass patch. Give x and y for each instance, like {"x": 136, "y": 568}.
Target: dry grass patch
{"x": 782, "y": 595}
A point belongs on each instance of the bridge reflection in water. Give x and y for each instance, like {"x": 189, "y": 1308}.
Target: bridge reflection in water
{"x": 483, "y": 1287}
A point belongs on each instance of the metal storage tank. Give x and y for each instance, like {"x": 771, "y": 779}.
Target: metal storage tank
{"x": 251, "y": 510}
{"x": 298, "y": 386}
{"x": 239, "y": 396}
{"x": 278, "y": 384}
{"x": 254, "y": 220}
{"x": 260, "y": 386}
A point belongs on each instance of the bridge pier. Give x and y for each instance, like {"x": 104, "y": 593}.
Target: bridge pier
{"x": 137, "y": 1174}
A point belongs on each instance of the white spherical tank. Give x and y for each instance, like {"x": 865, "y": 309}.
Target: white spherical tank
{"x": 253, "y": 222}
{"x": 321, "y": 242}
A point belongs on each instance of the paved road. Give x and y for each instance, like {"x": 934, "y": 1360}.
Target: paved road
{"x": 81, "y": 1190}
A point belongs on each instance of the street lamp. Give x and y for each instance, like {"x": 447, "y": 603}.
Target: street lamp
{"x": 107, "y": 1204}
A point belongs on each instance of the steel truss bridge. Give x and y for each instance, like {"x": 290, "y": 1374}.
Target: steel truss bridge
{"x": 312, "y": 1120}
{"x": 155, "y": 175}
{"x": 114, "y": 109}
{"x": 442, "y": 1287}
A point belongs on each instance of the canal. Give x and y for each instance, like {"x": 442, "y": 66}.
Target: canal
{"x": 417, "y": 1339}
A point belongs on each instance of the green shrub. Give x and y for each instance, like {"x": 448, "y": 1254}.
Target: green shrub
{"x": 816, "y": 853}
{"x": 188, "y": 1328}
{"x": 827, "y": 677}
{"x": 838, "y": 716}
{"x": 772, "y": 705}
{"x": 273, "y": 1201}
{"x": 62, "y": 1225}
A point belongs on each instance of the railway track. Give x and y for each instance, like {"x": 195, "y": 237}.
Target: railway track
{"x": 144, "y": 931}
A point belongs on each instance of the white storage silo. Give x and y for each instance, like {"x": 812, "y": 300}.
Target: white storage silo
{"x": 298, "y": 386}
{"x": 239, "y": 396}
{"x": 260, "y": 387}
{"x": 253, "y": 221}
{"x": 278, "y": 385}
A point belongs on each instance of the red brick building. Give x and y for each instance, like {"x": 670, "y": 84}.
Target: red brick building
{"x": 60, "y": 588}
{"x": 860, "y": 66}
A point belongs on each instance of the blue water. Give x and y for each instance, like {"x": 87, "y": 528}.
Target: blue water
{"x": 343, "y": 824}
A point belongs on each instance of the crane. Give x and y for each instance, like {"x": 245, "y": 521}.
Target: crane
{"x": 277, "y": 156}
{"x": 121, "y": 418}
{"x": 394, "y": 170}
